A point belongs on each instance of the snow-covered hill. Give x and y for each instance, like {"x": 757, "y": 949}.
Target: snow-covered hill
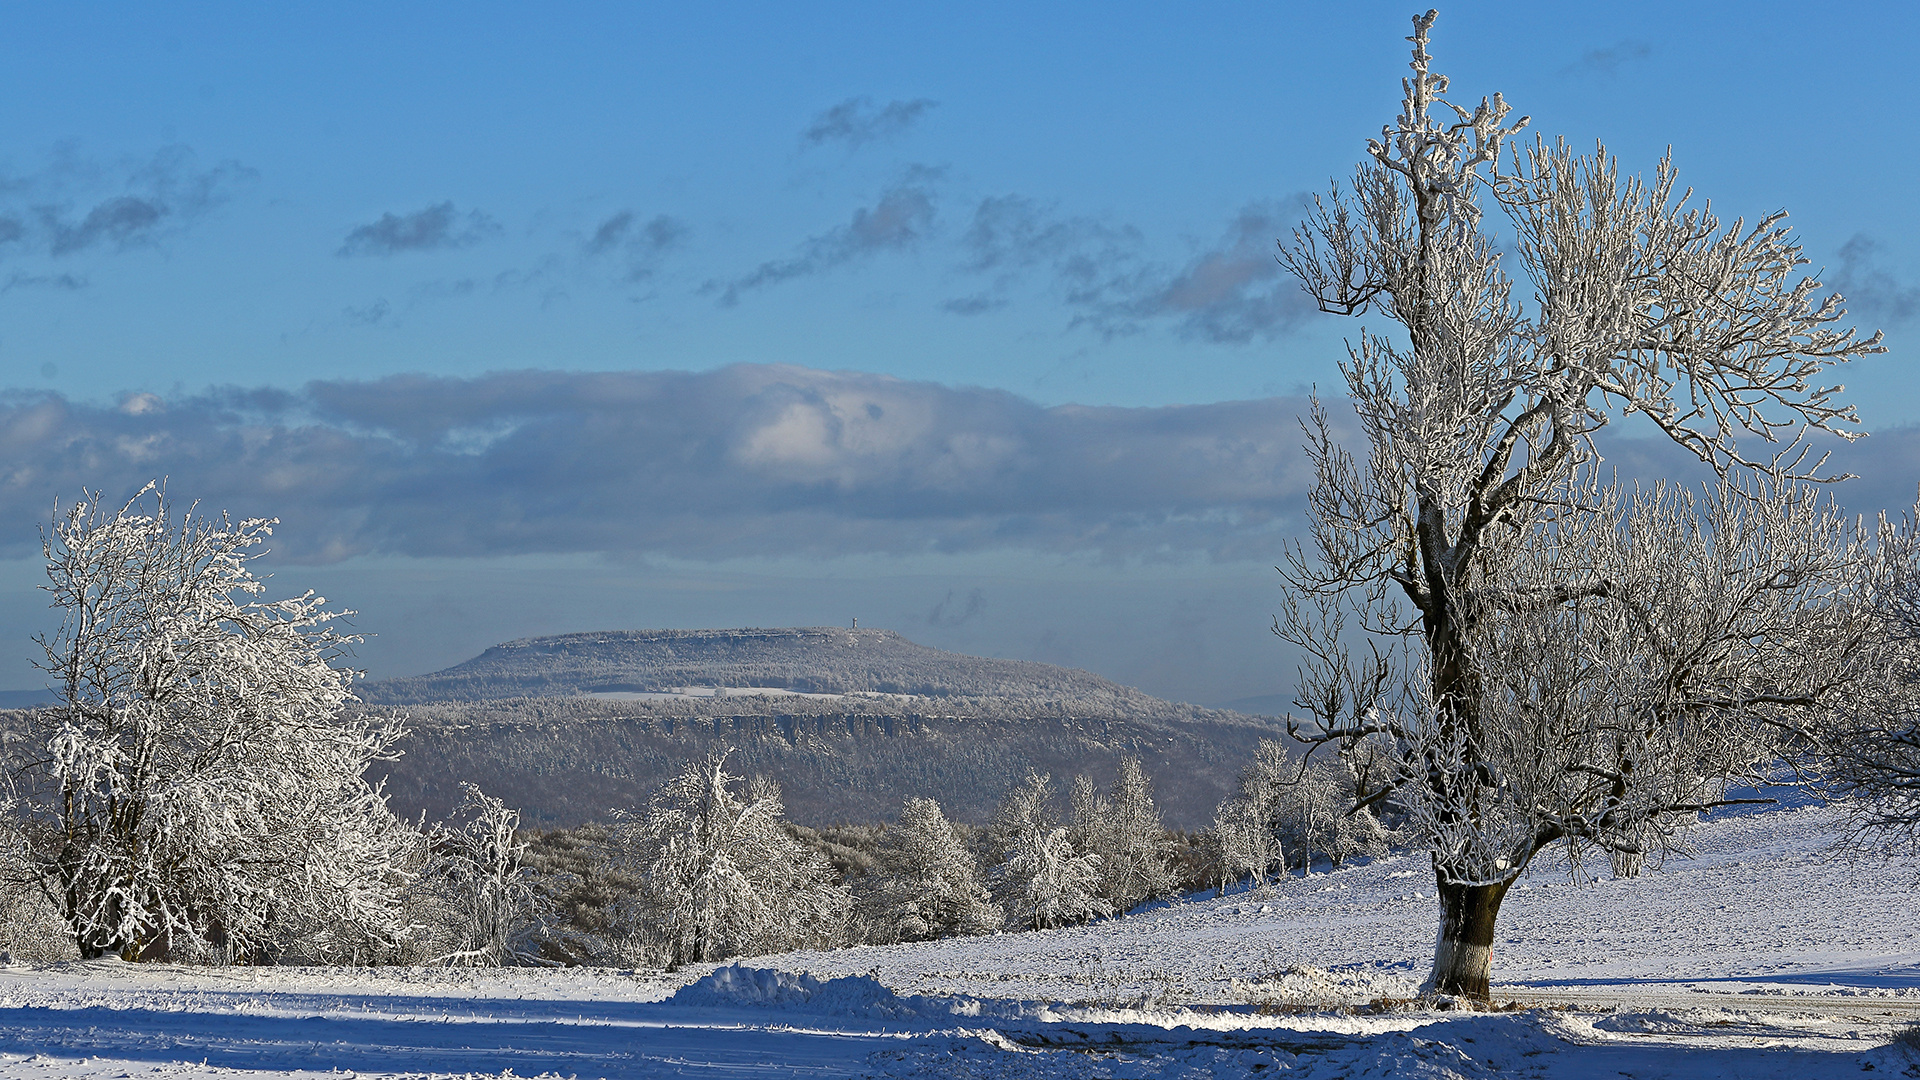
{"x": 852, "y": 723}
{"x": 811, "y": 659}
{"x": 1766, "y": 955}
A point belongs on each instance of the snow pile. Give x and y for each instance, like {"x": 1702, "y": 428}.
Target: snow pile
{"x": 1468, "y": 1048}
{"x": 1503, "y": 1041}
{"x": 735, "y": 987}
{"x": 1666, "y": 1021}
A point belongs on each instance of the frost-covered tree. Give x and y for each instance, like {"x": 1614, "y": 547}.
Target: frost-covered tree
{"x": 1046, "y": 883}
{"x": 1246, "y": 825}
{"x": 1239, "y": 845}
{"x": 1285, "y": 805}
{"x": 197, "y": 792}
{"x": 1316, "y": 813}
{"x": 489, "y": 903}
{"x": 1122, "y": 830}
{"x": 1586, "y": 665}
{"x": 1310, "y": 811}
{"x": 1041, "y": 880}
{"x": 926, "y": 884}
{"x": 720, "y": 878}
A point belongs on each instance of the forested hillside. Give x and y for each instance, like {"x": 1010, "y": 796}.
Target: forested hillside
{"x": 565, "y": 761}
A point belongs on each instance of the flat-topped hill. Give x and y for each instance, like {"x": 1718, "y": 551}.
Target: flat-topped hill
{"x": 806, "y": 659}
{"x": 851, "y": 722}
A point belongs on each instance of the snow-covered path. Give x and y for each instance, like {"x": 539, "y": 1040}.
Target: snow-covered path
{"x": 1763, "y": 956}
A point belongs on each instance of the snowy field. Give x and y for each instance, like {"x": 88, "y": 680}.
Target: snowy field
{"x": 1766, "y": 955}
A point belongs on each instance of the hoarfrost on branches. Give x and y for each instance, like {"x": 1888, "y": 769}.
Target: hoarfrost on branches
{"x": 927, "y": 884}
{"x": 490, "y": 904}
{"x": 1869, "y": 753}
{"x": 1287, "y": 805}
{"x": 198, "y": 789}
{"x": 718, "y": 877}
{"x": 1042, "y": 881}
{"x": 1245, "y": 830}
{"x": 1530, "y": 654}
{"x": 1122, "y": 829}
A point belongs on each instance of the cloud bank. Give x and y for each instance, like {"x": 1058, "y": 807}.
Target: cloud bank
{"x": 742, "y": 461}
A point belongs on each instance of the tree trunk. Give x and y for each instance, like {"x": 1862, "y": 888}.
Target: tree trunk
{"x": 1463, "y": 955}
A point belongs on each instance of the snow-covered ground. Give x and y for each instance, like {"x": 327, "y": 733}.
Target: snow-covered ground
{"x": 1766, "y": 955}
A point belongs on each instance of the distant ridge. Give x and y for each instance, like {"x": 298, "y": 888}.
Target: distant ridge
{"x": 808, "y": 659}
{"x": 568, "y": 727}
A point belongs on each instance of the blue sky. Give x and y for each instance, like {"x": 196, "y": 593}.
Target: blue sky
{"x": 464, "y": 294}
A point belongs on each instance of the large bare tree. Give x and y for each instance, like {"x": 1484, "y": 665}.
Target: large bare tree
{"x": 1529, "y": 654}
